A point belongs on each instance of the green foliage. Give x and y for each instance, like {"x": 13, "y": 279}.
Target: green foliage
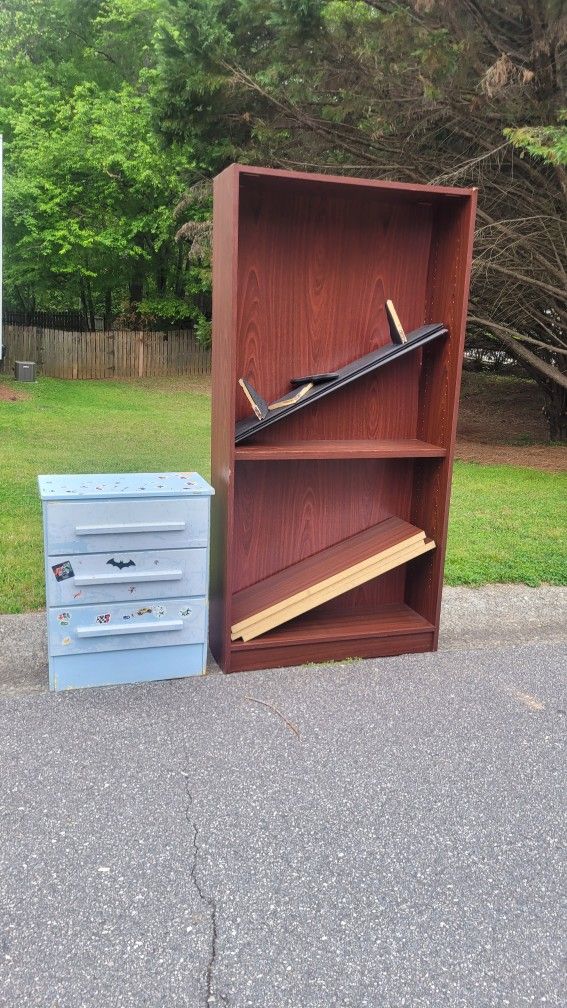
{"x": 170, "y": 308}
{"x": 203, "y": 330}
{"x": 89, "y": 187}
{"x": 547, "y": 142}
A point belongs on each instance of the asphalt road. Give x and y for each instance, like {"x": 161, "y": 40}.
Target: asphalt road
{"x": 383, "y": 833}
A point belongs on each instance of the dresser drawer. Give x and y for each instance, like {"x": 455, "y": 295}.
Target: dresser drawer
{"x": 111, "y": 577}
{"x": 103, "y": 525}
{"x": 126, "y": 626}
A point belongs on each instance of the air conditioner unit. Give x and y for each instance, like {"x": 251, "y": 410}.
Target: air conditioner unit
{"x": 24, "y": 370}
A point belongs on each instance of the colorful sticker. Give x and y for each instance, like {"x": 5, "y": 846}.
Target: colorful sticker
{"x": 63, "y": 618}
{"x": 128, "y": 616}
{"x": 66, "y": 641}
{"x": 103, "y": 618}
{"x": 63, "y": 571}
{"x": 160, "y": 611}
{"x": 144, "y": 611}
{"x": 184, "y": 612}
{"x": 78, "y": 594}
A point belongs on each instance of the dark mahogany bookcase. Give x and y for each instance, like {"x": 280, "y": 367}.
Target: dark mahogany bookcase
{"x": 302, "y": 265}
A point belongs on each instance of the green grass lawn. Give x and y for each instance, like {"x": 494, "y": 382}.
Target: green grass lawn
{"x": 507, "y": 524}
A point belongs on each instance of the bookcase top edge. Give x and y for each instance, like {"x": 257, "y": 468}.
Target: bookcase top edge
{"x": 239, "y": 170}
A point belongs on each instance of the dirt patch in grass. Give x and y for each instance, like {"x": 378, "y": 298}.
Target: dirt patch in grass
{"x": 501, "y": 409}
{"x": 10, "y": 394}
{"x": 501, "y": 422}
{"x": 549, "y": 458}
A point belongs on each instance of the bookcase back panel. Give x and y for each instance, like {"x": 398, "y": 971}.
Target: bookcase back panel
{"x": 286, "y": 511}
{"x": 314, "y": 272}
{"x": 381, "y": 405}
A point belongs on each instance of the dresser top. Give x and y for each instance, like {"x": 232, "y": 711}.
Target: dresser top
{"x": 103, "y": 486}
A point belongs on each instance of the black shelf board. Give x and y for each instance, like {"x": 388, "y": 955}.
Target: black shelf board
{"x": 350, "y": 372}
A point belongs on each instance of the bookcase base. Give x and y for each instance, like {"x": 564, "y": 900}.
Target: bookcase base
{"x": 325, "y": 635}
{"x": 278, "y": 656}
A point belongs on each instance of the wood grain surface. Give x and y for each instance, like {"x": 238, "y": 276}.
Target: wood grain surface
{"x": 302, "y": 267}
{"x": 335, "y": 560}
{"x": 337, "y": 449}
{"x": 288, "y": 511}
{"x": 225, "y": 231}
{"x": 314, "y": 298}
{"x": 333, "y": 587}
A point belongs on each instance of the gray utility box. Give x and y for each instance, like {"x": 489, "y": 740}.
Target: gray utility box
{"x": 24, "y": 370}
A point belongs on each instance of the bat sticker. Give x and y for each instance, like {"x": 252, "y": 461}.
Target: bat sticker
{"x": 63, "y": 618}
{"x": 184, "y": 612}
{"x": 103, "y": 618}
{"x": 121, "y": 563}
{"x": 161, "y": 611}
{"x": 63, "y": 571}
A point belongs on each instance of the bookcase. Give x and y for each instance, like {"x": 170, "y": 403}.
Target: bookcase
{"x": 302, "y": 267}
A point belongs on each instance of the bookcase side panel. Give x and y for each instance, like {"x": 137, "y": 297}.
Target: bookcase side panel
{"x": 225, "y": 252}
{"x": 450, "y": 267}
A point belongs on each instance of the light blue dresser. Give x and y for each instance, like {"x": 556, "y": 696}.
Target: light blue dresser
{"x": 126, "y": 574}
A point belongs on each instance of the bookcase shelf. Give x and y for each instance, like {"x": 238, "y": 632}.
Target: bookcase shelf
{"x": 386, "y": 630}
{"x": 359, "y": 449}
{"x": 302, "y": 267}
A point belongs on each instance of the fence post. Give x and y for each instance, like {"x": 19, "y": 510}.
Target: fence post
{"x": 141, "y": 356}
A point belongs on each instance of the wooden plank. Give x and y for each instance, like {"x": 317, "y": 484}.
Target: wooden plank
{"x": 334, "y": 587}
{"x": 389, "y": 619}
{"x": 75, "y": 353}
{"x": 245, "y": 657}
{"x": 394, "y": 552}
{"x": 353, "y": 372}
{"x": 394, "y": 448}
{"x": 224, "y": 264}
{"x": 327, "y": 563}
{"x": 314, "y": 180}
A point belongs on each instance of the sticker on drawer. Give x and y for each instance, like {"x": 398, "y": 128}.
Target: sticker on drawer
{"x": 62, "y": 571}
{"x": 119, "y": 627}
{"x": 110, "y": 577}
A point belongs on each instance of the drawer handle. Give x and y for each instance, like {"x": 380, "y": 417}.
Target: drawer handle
{"x": 121, "y": 631}
{"x": 82, "y": 530}
{"x": 96, "y": 579}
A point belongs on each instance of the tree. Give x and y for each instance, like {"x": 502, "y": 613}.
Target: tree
{"x": 438, "y": 91}
{"x": 90, "y": 188}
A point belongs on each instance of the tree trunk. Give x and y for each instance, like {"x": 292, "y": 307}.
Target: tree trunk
{"x": 84, "y": 302}
{"x": 90, "y": 303}
{"x": 136, "y": 285}
{"x": 555, "y": 410}
{"x": 108, "y": 308}
{"x": 179, "y": 284}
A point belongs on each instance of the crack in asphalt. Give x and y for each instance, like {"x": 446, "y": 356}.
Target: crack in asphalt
{"x": 209, "y": 903}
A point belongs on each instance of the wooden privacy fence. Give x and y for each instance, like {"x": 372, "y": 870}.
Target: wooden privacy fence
{"x": 113, "y": 354}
